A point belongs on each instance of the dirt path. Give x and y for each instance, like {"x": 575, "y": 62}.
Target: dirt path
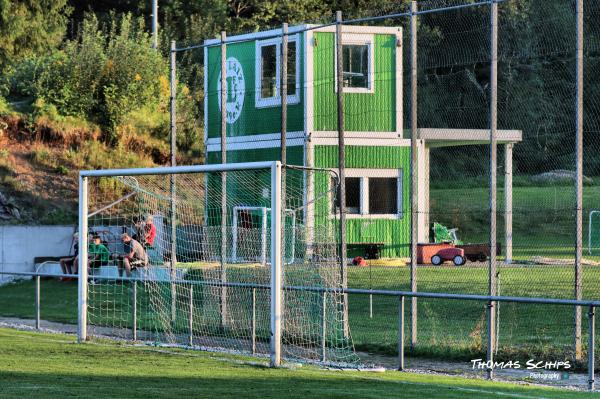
{"x": 570, "y": 380}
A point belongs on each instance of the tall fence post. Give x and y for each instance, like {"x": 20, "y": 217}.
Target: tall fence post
{"x": 134, "y": 312}
{"x": 276, "y": 263}
{"x": 154, "y": 24}
{"x": 191, "y": 317}
{"x": 223, "y": 271}
{"x": 253, "y": 321}
{"x": 591, "y": 347}
{"x": 401, "y": 334}
{"x": 323, "y": 326}
{"x": 341, "y": 165}
{"x": 284, "y": 93}
{"x": 579, "y": 178}
{"x": 83, "y": 256}
{"x": 413, "y": 173}
{"x": 173, "y": 236}
{"x": 508, "y": 202}
{"x": 37, "y": 302}
{"x": 493, "y": 182}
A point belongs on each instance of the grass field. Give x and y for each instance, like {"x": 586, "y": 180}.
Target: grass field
{"x": 543, "y": 217}
{"x": 36, "y": 365}
{"x": 447, "y": 329}
{"x": 542, "y": 227}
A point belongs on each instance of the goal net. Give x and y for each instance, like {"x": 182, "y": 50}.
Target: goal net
{"x": 185, "y": 256}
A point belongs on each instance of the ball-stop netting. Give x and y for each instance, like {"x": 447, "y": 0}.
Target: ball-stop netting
{"x": 203, "y": 276}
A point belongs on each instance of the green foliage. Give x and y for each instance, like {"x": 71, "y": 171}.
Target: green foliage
{"x": 30, "y": 27}
{"x": 4, "y": 107}
{"x": 59, "y": 216}
{"x": 104, "y": 75}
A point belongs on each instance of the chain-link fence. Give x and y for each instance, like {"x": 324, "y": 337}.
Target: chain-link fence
{"x": 455, "y": 130}
{"x": 437, "y": 91}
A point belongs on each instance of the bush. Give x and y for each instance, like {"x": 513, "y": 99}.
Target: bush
{"x": 105, "y": 74}
{"x": 4, "y": 107}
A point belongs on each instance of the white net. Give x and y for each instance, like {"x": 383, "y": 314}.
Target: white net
{"x": 198, "y": 282}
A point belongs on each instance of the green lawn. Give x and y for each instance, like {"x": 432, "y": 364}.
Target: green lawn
{"x": 543, "y": 217}
{"x": 446, "y": 329}
{"x": 543, "y": 226}
{"x": 35, "y": 365}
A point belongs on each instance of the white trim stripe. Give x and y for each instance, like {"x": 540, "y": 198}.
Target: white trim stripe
{"x": 253, "y": 145}
{"x": 300, "y": 28}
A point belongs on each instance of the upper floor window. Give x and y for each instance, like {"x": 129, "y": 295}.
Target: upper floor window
{"x": 357, "y": 63}
{"x": 268, "y": 72}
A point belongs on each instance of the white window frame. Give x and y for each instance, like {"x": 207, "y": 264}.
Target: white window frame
{"x": 365, "y": 175}
{"x": 361, "y": 40}
{"x": 264, "y": 102}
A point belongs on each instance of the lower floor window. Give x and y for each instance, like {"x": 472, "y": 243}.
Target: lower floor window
{"x": 376, "y": 192}
{"x": 383, "y": 195}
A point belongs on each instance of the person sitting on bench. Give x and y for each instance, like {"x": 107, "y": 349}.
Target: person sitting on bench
{"x": 98, "y": 255}
{"x": 135, "y": 255}
{"x": 149, "y": 231}
{"x": 67, "y": 264}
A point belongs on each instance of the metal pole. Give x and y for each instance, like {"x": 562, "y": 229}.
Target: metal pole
{"x": 223, "y": 271}
{"x": 134, "y": 312}
{"x": 37, "y": 302}
{"x": 83, "y": 255}
{"x": 493, "y": 181}
{"x": 276, "y": 271}
{"x": 324, "y": 327}
{"x": 508, "y": 201}
{"x": 579, "y": 178}
{"x": 284, "y": 91}
{"x": 191, "y": 316}
{"x": 401, "y": 334}
{"x": 173, "y": 235}
{"x": 253, "y": 321}
{"x": 342, "y": 165}
{"x": 155, "y": 24}
{"x": 591, "y": 347}
{"x": 413, "y": 173}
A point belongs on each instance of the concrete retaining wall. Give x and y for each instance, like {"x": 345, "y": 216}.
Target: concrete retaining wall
{"x": 19, "y": 245}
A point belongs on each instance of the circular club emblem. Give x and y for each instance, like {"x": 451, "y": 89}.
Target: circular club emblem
{"x": 235, "y": 88}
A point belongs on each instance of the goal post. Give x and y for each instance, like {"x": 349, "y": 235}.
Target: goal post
{"x": 172, "y": 294}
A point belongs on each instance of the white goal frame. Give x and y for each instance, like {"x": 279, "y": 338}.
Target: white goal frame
{"x": 263, "y": 233}
{"x": 276, "y": 234}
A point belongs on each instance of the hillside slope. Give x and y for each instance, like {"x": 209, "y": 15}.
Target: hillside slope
{"x": 40, "y": 161}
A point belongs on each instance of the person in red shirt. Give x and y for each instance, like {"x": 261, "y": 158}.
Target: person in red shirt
{"x": 149, "y": 232}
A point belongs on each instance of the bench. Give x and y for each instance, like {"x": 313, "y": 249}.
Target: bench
{"x": 371, "y": 250}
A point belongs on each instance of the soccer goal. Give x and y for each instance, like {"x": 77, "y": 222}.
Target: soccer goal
{"x": 218, "y": 260}
{"x": 248, "y": 240}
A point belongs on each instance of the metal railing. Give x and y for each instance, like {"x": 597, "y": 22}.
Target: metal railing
{"x": 401, "y": 295}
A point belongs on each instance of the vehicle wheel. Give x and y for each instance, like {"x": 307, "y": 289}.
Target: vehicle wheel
{"x": 482, "y": 257}
{"x": 458, "y": 260}
{"x": 472, "y": 258}
{"x": 436, "y": 260}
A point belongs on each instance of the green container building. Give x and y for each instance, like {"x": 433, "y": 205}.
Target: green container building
{"x": 378, "y": 147}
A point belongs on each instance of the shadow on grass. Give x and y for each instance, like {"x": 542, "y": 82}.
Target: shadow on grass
{"x": 253, "y": 382}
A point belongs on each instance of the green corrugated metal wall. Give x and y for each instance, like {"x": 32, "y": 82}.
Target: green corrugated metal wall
{"x": 247, "y": 190}
{"x": 363, "y": 111}
{"x": 394, "y": 232}
{"x": 252, "y": 120}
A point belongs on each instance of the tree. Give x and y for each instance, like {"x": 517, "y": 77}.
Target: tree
{"x": 30, "y": 27}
